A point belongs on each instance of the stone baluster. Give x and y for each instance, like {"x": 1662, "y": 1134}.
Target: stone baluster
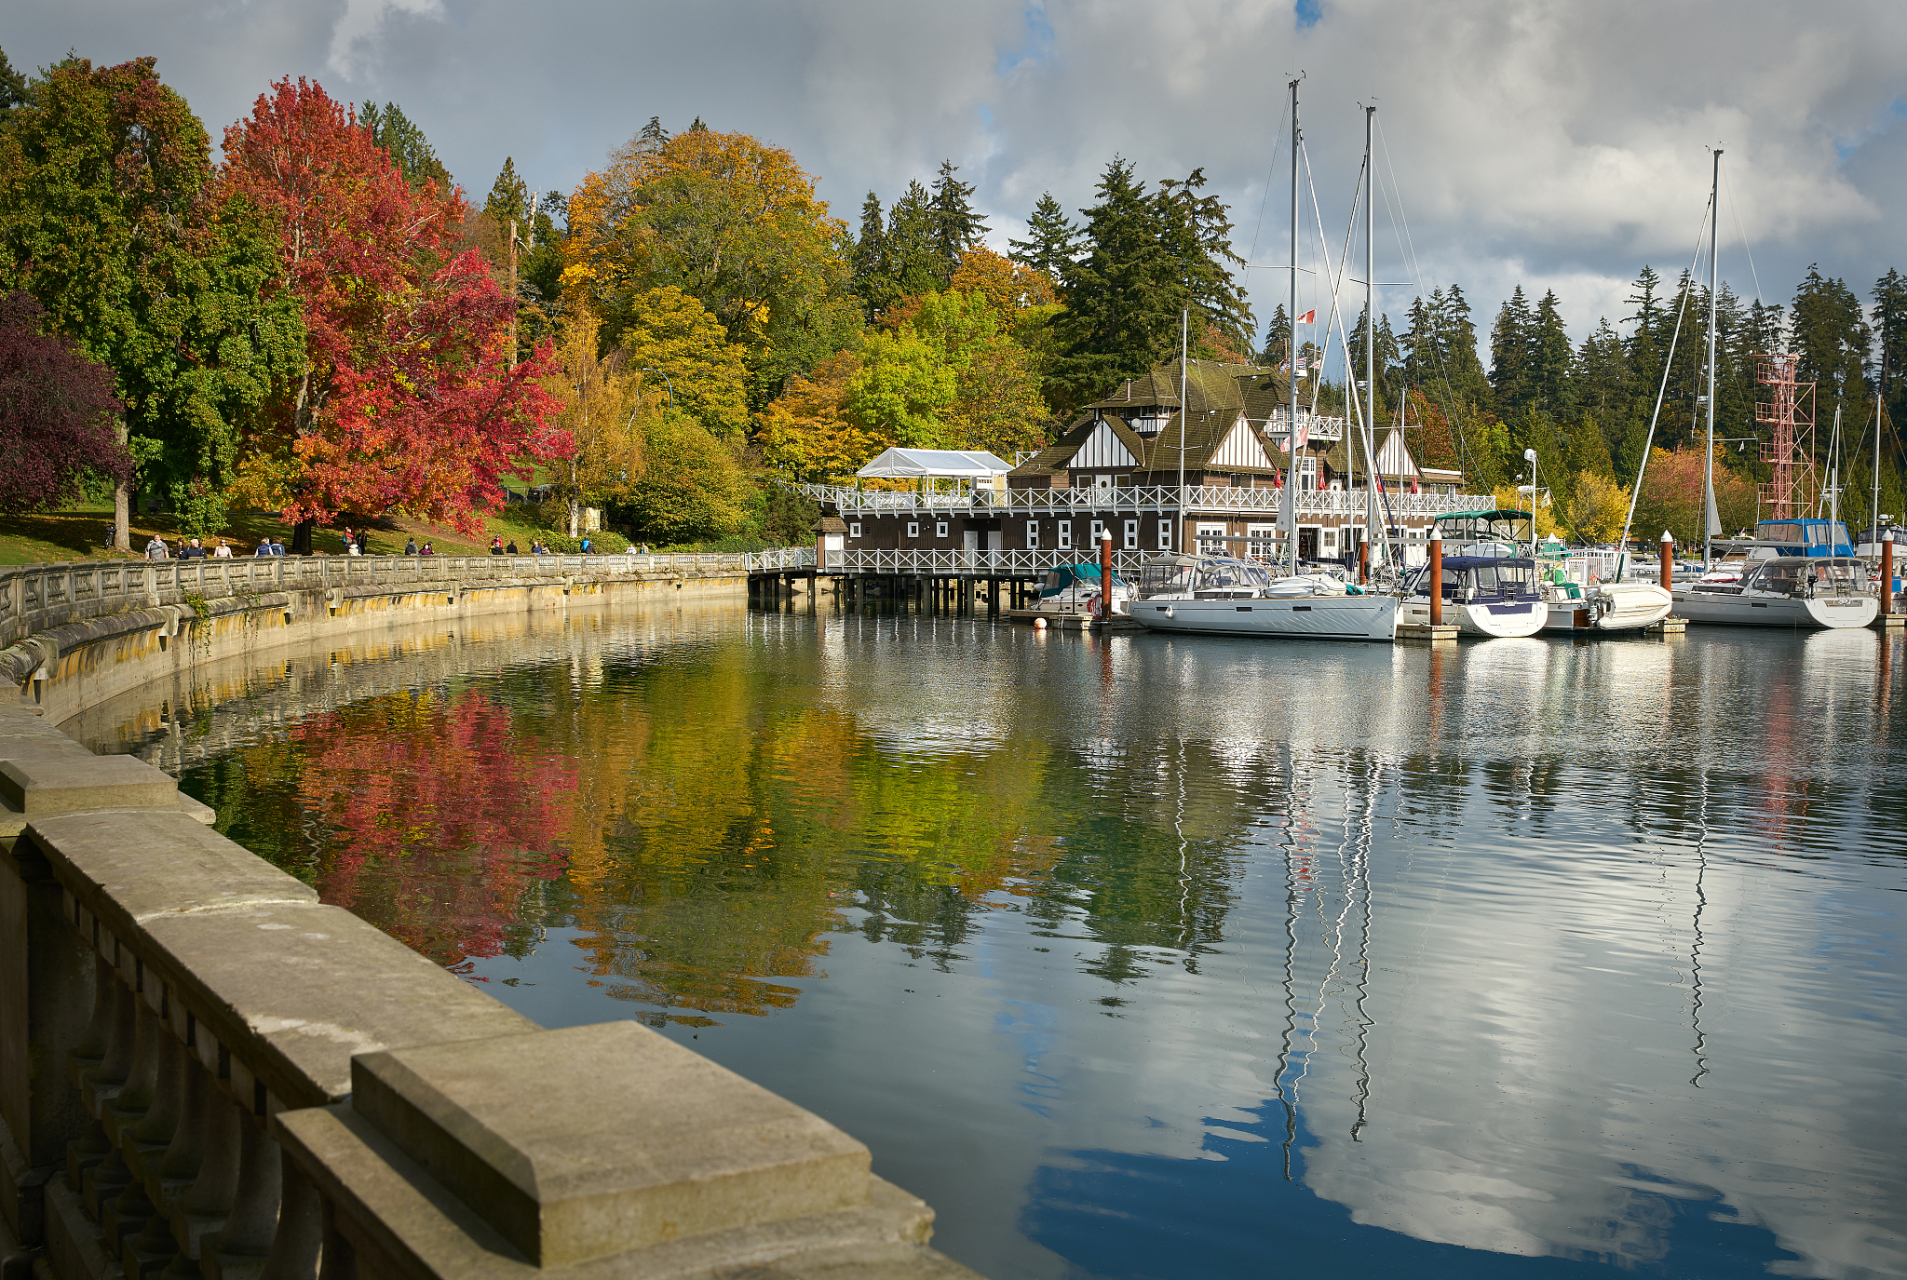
{"x": 239, "y": 1248}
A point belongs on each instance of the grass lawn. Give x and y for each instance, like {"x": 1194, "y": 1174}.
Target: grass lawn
{"x": 78, "y": 532}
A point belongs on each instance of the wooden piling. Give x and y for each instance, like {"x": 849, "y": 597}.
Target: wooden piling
{"x": 1668, "y": 561}
{"x": 1887, "y": 572}
{"x": 1435, "y": 579}
{"x": 1363, "y": 561}
{"x": 1105, "y": 575}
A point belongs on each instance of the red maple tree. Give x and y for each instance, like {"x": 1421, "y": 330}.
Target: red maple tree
{"x": 409, "y": 400}
{"x": 56, "y": 413}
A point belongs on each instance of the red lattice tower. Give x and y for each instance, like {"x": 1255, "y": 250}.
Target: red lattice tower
{"x": 1789, "y": 452}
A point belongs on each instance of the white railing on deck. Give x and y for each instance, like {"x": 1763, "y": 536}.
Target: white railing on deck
{"x": 979, "y": 563}
{"x": 1192, "y": 500}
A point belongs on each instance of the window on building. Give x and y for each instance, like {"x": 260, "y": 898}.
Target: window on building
{"x": 1331, "y": 540}
{"x": 1132, "y": 535}
{"x": 913, "y": 528}
{"x": 854, "y": 530}
{"x": 1307, "y": 474}
{"x": 1211, "y": 539}
{"x": 1264, "y": 541}
{"x": 940, "y": 528}
{"x": 1124, "y": 482}
{"x": 1033, "y": 535}
{"x": 1099, "y": 527}
{"x": 1165, "y": 535}
{"x": 1065, "y": 535}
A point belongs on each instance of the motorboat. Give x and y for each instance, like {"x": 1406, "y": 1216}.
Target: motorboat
{"x": 1074, "y": 588}
{"x": 1483, "y": 595}
{"x": 1584, "y": 596}
{"x": 1797, "y": 591}
{"x": 1224, "y": 595}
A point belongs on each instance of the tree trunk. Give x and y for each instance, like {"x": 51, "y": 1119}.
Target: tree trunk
{"x": 122, "y": 499}
{"x": 575, "y": 515}
{"x": 301, "y": 536}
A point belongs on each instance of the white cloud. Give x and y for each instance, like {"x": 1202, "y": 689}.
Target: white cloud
{"x": 1561, "y": 145}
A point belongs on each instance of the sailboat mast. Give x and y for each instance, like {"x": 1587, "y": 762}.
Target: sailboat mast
{"x": 1288, "y": 507}
{"x": 1185, "y": 406}
{"x": 1371, "y": 522}
{"x": 1709, "y": 520}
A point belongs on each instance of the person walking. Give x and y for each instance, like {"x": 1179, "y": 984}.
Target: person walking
{"x": 496, "y": 545}
{"x": 222, "y": 551}
{"x": 264, "y": 547}
{"x": 511, "y": 549}
{"x": 277, "y": 547}
{"x": 428, "y": 550}
{"x": 192, "y": 551}
{"x": 112, "y": 529}
{"x": 156, "y": 549}
{"x": 410, "y": 546}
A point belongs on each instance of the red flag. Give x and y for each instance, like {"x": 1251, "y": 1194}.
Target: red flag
{"x": 1309, "y": 317}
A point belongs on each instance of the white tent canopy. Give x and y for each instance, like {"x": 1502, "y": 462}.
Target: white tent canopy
{"x": 920, "y": 464}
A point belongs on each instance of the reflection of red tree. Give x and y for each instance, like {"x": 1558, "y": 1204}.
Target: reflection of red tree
{"x": 440, "y": 817}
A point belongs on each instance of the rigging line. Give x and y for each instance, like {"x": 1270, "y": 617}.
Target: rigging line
{"x": 1734, "y": 209}
{"x": 1264, "y": 200}
{"x": 1668, "y": 364}
{"x": 1464, "y": 453}
{"x": 1317, "y": 382}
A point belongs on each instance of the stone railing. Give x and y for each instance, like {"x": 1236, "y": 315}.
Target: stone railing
{"x": 206, "y": 1071}
{"x": 39, "y": 597}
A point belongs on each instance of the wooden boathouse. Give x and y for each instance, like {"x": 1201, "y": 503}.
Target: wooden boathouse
{"x": 970, "y": 527}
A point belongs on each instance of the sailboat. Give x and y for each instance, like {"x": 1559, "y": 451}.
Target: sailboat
{"x": 1800, "y": 589}
{"x": 1220, "y": 594}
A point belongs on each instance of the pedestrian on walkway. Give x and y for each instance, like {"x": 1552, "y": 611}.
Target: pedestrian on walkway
{"x": 222, "y": 551}
{"x": 156, "y": 549}
{"x": 410, "y": 546}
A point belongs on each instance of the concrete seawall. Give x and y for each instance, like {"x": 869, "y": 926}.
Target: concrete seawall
{"x": 204, "y": 1071}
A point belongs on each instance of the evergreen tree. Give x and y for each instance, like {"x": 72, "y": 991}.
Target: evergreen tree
{"x": 1648, "y": 342}
{"x": 1830, "y": 333}
{"x": 871, "y": 280}
{"x": 410, "y": 149}
{"x": 1547, "y": 360}
{"x": 1890, "y": 330}
{"x": 1052, "y": 241}
{"x": 1197, "y": 231}
{"x": 1277, "y": 348}
{"x": 13, "y": 87}
{"x": 509, "y": 201}
{"x": 1509, "y": 355}
{"x": 1122, "y": 312}
{"x": 912, "y": 259}
{"x": 653, "y": 134}
{"x": 1386, "y": 362}
{"x": 957, "y": 228}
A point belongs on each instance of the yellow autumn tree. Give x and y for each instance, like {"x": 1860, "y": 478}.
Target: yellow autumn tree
{"x": 807, "y": 433}
{"x": 728, "y": 220}
{"x": 601, "y": 405}
{"x": 676, "y": 343}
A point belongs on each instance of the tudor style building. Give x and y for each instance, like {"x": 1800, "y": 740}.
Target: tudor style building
{"x": 1163, "y": 467}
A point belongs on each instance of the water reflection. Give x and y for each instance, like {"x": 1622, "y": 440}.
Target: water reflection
{"x": 1140, "y": 956}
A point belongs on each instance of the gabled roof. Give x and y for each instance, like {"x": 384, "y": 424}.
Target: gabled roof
{"x": 1215, "y": 395}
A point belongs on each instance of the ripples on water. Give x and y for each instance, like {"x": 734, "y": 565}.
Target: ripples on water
{"x": 1180, "y": 957}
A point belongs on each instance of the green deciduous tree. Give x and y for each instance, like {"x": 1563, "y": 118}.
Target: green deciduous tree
{"x": 672, "y": 343}
{"x": 693, "y": 489}
{"x": 109, "y": 216}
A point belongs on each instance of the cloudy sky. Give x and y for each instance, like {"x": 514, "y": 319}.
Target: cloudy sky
{"x": 1559, "y": 145}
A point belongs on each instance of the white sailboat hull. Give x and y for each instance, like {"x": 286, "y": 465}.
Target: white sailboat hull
{"x": 1814, "y": 614}
{"x": 1475, "y": 618}
{"x": 1637, "y": 605}
{"x": 1306, "y": 617}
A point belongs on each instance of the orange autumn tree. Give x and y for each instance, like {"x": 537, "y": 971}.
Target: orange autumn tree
{"x": 408, "y": 401}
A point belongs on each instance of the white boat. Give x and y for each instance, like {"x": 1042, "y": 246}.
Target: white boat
{"x": 1805, "y": 592}
{"x": 1221, "y": 595}
{"x": 1482, "y": 596}
{"x": 1581, "y": 602}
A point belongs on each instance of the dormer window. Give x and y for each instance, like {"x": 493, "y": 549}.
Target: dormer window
{"x": 1147, "y": 422}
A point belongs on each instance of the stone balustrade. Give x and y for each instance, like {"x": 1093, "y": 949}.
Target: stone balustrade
{"x": 204, "y": 1071}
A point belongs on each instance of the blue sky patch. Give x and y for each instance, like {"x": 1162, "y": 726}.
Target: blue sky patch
{"x": 1309, "y": 11}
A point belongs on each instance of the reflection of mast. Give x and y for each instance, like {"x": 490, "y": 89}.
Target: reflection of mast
{"x": 1363, "y": 865}
{"x": 1695, "y": 951}
{"x": 1291, "y": 1005}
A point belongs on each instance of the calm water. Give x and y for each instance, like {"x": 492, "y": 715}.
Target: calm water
{"x": 1187, "y": 957}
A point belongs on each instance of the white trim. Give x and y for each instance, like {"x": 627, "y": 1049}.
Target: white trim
{"x": 1103, "y": 448}
{"x": 1240, "y": 448}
